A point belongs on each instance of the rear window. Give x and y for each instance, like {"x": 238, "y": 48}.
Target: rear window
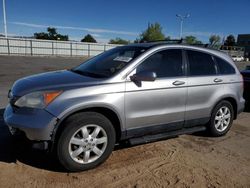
{"x": 200, "y": 64}
{"x": 224, "y": 67}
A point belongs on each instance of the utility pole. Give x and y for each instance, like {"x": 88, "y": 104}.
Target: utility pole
{"x": 181, "y": 22}
{"x": 4, "y": 20}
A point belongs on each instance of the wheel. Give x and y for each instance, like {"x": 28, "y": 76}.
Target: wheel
{"x": 221, "y": 119}
{"x": 86, "y": 141}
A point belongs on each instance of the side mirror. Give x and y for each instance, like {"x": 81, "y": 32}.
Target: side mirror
{"x": 144, "y": 76}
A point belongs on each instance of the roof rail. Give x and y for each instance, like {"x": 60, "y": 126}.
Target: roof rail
{"x": 183, "y": 41}
{"x": 177, "y": 41}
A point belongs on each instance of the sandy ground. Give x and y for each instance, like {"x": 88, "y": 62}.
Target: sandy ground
{"x": 185, "y": 161}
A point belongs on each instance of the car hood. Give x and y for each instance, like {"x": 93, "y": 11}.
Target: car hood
{"x": 57, "y": 80}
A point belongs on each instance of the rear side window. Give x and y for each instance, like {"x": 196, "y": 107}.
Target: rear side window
{"x": 224, "y": 67}
{"x": 200, "y": 64}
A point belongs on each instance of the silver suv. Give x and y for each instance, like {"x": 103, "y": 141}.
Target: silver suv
{"x": 137, "y": 93}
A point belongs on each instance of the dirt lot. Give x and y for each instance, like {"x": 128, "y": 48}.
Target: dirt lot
{"x": 186, "y": 161}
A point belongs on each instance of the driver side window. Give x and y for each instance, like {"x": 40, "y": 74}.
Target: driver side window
{"x": 166, "y": 63}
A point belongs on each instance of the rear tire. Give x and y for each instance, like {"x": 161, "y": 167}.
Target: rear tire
{"x": 86, "y": 141}
{"x": 221, "y": 119}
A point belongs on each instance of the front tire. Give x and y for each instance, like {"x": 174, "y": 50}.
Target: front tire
{"x": 86, "y": 141}
{"x": 221, "y": 119}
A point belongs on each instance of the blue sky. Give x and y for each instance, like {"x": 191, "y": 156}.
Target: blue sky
{"x": 107, "y": 19}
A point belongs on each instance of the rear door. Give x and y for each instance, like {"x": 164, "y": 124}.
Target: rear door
{"x": 205, "y": 86}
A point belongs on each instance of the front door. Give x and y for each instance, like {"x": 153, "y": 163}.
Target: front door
{"x": 159, "y": 105}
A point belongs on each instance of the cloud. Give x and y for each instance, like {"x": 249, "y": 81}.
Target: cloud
{"x": 91, "y": 30}
{"x": 95, "y": 35}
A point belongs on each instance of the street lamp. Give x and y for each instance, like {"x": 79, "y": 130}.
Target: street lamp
{"x": 4, "y": 20}
{"x": 182, "y": 19}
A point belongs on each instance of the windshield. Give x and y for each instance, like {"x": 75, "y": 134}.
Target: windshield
{"x": 110, "y": 62}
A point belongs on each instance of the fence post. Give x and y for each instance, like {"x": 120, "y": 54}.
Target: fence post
{"x": 88, "y": 50}
{"x": 52, "y": 48}
{"x": 71, "y": 49}
{"x": 8, "y": 46}
{"x": 104, "y": 47}
{"x": 31, "y": 48}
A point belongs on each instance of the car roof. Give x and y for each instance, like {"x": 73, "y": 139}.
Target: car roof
{"x": 201, "y": 48}
{"x": 187, "y": 46}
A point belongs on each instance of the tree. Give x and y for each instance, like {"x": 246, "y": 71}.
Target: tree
{"x": 62, "y": 37}
{"x": 118, "y": 41}
{"x": 168, "y": 38}
{"x": 214, "y": 39}
{"x": 230, "y": 41}
{"x": 51, "y": 35}
{"x": 152, "y": 33}
{"x": 192, "y": 40}
{"x": 41, "y": 35}
{"x": 89, "y": 38}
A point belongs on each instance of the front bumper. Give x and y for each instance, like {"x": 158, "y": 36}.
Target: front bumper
{"x": 37, "y": 124}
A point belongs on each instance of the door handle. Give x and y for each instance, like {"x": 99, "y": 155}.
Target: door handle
{"x": 217, "y": 80}
{"x": 178, "y": 83}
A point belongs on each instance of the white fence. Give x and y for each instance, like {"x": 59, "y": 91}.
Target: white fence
{"x": 34, "y": 47}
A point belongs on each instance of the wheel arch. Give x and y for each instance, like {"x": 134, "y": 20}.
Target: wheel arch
{"x": 230, "y": 99}
{"x": 108, "y": 112}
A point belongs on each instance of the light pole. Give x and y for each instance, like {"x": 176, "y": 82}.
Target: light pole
{"x": 4, "y": 20}
{"x": 182, "y": 19}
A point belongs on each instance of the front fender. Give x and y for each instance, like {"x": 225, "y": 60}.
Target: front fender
{"x": 62, "y": 108}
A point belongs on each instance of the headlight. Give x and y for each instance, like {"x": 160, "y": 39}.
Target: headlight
{"x": 38, "y": 99}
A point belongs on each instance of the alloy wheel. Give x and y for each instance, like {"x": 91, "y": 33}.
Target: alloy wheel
{"x": 222, "y": 119}
{"x": 88, "y": 144}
